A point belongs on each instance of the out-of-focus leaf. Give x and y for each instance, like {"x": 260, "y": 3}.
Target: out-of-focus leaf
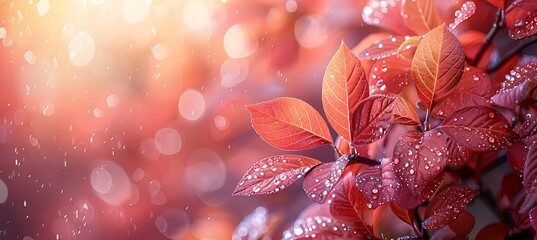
{"x": 386, "y": 47}
{"x": 498, "y": 3}
{"x": 510, "y": 188}
{"x": 372, "y": 118}
{"x": 472, "y": 90}
{"x": 389, "y": 75}
{"x": 479, "y": 129}
{"x": 251, "y": 228}
{"x": 463, "y": 225}
{"x": 405, "y": 215}
{"x": 533, "y": 217}
{"x": 526, "y": 4}
{"x": 526, "y": 125}
{"x": 525, "y": 27}
{"x": 494, "y": 231}
{"x": 404, "y": 112}
{"x": 437, "y": 66}
{"x": 466, "y": 11}
{"x": 530, "y": 179}
{"x": 447, "y": 205}
{"x": 516, "y": 154}
{"x": 273, "y": 174}
{"x": 378, "y": 183}
{"x": 316, "y": 222}
{"x": 419, "y": 158}
{"x": 386, "y": 16}
{"x": 344, "y": 85}
{"x": 471, "y": 42}
{"x": 420, "y": 15}
{"x": 348, "y": 204}
{"x": 289, "y": 124}
{"x": 518, "y": 84}
{"x": 320, "y": 181}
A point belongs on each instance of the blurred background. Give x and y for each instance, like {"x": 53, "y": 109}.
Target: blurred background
{"x": 125, "y": 119}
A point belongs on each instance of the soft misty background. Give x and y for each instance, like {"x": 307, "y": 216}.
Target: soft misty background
{"x": 125, "y": 119}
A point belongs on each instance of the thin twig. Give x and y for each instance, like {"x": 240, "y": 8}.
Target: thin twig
{"x": 512, "y": 51}
{"x": 496, "y": 26}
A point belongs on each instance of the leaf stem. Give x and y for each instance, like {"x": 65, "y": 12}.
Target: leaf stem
{"x": 496, "y": 26}
{"x": 427, "y": 120}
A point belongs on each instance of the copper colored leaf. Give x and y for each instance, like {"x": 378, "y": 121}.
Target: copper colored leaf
{"x": 533, "y": 217}
{"x": 405, "y": 215}
{"x": 420, "y": 15}
{"x": 518, "y": 85}
{"x": 273, "y": 174}
{"x": 479, "y": 129}
{"x": 289, "y": 124}
{"x": 372, "y": 118}
{"x": 447, "y": 205}
{"x": 389, "y": 75}
{"x": 437, "y": 66}
{"x": 386, "y": 16}
{"x": 516, "y": 154}
{"x": 463, "y": 225}
{"x": 525, "y": 27}
{"x": 386, "y": 47}
{"x": 316, "y": 222}
{"x": 320, "y": 181}
{"x": 404, "y": 112}
{"x": 378, "y": 183}
{"x": 419, "y": 159}
{"x": 472, "y": 90}
{"x": 348, "y": 204}
{"x": 344, "y": 85}
{"x": 530, "y": 179}
{"x": 494, "y": 231}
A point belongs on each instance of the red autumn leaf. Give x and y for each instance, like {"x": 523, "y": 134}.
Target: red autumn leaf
{"x": 472, "y": 90}
{"x": 385, "y": 47}
{"x": 516, "y": 154}
{"x": 378, "y": 183}
{"x": 518, "y": 84}
{"x": 404, "y": 112}
{"x": 289, "y": 124}
{"x": 494, "y": 231}
{"x": 389, "y": 75}
{"x": 320, "y": 181}
{"x": 457, "y": 154}
{"x": 533, "y": 217}
{"x": 386, "y": 16}
{"x": 348, "y": 204}
{"x": 530, "y": 179}
{"x": 273, "y": 174}
{"x": 406, "y": 199}
{"x": 420, "y": 15}
{"x": 526, "y": 125}
{"x": 405, "y": 215}
{"x": 498, "y": 3}
{"x": 316, "y": 222}
{"x": 447, "y": 205}
{"x": 510, "y": 188}
{"x": 525, "y": 27}
{"x": 479, "y": 129}
{"x": 463, "y": 225}
{"x": 372, "y": 119}
{"x": 344, "y": 85}
{"x": 437, "y": 66}
{"x": 466, "y": 11}
{"x": 419, "y": 159}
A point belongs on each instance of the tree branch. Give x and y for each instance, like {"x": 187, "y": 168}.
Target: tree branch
{"x": 496, "y": 26}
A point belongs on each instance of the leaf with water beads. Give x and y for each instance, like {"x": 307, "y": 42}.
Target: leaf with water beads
{"x": 447, "y": 205}
{"x": 320, "y": 181}
{"x": 344, "y": 85}
{"x": 419, "y": 159}
{"x": 386, "y": 47}
{"x": 372, "y": 118}
{"x": 389, "y": 75}
{"x": 317, "y": 223}
{"x": 378, "y": 183}
{"x": 479, "y": 129}
{"x": 524, "y": 28}
{"x": 466, "y": 11}
{"x": 273, "y": 174}
{"x": 518, "y": 84}
{"x": 289, "y": 124}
